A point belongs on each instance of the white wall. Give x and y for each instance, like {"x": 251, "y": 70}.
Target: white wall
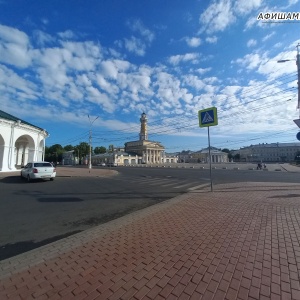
{"x": 20, "y": 143}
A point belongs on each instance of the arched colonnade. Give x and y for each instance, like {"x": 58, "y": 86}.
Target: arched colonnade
{"x": 19, "y": 144}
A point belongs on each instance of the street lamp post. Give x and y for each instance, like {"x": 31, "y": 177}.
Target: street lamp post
{"x": 90, "y": 141}
{"x": 298, "y": 73}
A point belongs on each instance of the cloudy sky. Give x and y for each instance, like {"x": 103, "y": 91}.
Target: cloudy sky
{"x": 62, "y": 61}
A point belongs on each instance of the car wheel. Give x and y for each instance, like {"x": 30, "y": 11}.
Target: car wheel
{"x": 51, "y": 179}
{"x": 28, "y": 178}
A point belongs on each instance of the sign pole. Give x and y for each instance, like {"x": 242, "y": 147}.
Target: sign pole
{"x": 209, "y": 154}
{"x": 208, "y": 117}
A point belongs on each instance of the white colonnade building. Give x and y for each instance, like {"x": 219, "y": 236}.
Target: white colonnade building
{"x": 20, "y": 142}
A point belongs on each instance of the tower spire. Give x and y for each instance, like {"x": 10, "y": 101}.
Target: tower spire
{"x": 144, "y": 131}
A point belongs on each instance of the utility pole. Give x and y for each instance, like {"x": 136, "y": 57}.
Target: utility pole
{"x": 90, "y": 141}
{"x": 298, "y": 73}
{"x": 298, "y": 70}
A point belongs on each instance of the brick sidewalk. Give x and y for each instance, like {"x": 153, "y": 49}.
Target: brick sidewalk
{"x": 240, "y": 242}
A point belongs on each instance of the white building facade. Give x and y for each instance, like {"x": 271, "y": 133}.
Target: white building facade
{"x": 150, "y": 152}
{"x": 273, "y": 152}
{"x": 20, "y": 142}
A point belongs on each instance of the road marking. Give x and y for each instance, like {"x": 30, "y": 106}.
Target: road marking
{"x": 197, "y": 187}
{"x": 170, "y": 184}
{"x": 183, "y": 185}
{"x": 158, "y": 181}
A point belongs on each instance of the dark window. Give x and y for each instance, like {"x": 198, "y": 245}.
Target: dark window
{"x": 42, "y": 165}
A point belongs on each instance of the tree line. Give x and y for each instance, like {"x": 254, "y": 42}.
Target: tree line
{"x": 54, "y": 153}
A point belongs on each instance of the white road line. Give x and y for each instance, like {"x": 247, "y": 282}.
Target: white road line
{"x": 170, "y": 184}
{"x": 197, "y": 187}
{"x": 158, "y": 181}
{"x": 183, "y": 185}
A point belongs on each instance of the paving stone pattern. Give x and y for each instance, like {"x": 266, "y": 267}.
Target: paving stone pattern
{"x": 240, "y": 242}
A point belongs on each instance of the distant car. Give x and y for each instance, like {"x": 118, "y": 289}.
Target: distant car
{"x": 38, "y": 170}
{"x": 112, "y": 165}
{"x": 101, "y": 164}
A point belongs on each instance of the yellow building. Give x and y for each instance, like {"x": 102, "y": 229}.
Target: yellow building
{"x": 151, "y": 152}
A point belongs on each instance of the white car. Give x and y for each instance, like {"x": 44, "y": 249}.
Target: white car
{"x": 38, "y": 170}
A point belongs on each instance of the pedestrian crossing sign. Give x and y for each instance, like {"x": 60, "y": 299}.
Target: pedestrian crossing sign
{"x": 208, "y": 117}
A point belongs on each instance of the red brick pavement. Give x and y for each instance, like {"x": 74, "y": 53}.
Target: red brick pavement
{"x": 240, "y": 242}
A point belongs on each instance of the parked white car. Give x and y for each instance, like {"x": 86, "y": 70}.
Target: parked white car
{"x": 38, "y": 170}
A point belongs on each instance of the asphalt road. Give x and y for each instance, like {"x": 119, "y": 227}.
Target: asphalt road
{"x": 34, "y": 214}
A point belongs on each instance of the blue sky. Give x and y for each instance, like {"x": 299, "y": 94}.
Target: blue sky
{"x": 61, "y": 61}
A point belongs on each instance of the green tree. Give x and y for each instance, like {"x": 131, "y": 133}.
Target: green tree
{"x": 237, "y": 157}
{"x": 68, "y": 148}
{"x": 82, "y": 150}
{"x": 54, "y": 153}
{"x": 226, "y": 150}
{"x": 99, "y": 150}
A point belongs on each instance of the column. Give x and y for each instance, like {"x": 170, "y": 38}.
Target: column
{"x": 17, "y": 159}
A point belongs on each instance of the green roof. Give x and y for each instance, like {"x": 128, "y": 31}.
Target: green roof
{"x": 9, "y": 117}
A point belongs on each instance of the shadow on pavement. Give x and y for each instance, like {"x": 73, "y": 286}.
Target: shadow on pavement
{"x": 10, "y": 250}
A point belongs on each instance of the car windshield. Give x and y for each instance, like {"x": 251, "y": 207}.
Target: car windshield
{"x": 42, "y": 164}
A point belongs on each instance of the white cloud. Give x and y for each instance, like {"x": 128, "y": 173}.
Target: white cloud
{"x": 14, "y": 47}
{"x": 211, "y": 39}
{"x": 289, "y": 4}
{"x": 268, "y": 36}
{"x": 170, "y": 92}
{"x": 251, "y": 43}
{"x": 246, "y": 6}
{"x": 68, "y": 34}
{"x": 193, "y": 42}
{"x": 230, "y": 90}
{"x": 107, "y": 86}
{"x": 42, "y": 38}
{"x": 218, "y": 16}
{"x": 273, "y": 69}
{"x": 83, "y": 49}
{"x": 74, "y": 92}
{"x": 111, "y": 68}
{"x": 251, "y": 22}
{"x": 194, "y": 82}
{"x": 137, "y": 26}
{"x": 277, "y": 45}
{"x": 203, "y": 71}
{"x": 136, "y": 46}
{"x": 176, "y": 59}
{"x": 101, "y": 99}
{"x": 11, "y": 83}
{"x": 250, "y": 61}
{"x": 222, "y": 13}
{"x": 83, "y": 80}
